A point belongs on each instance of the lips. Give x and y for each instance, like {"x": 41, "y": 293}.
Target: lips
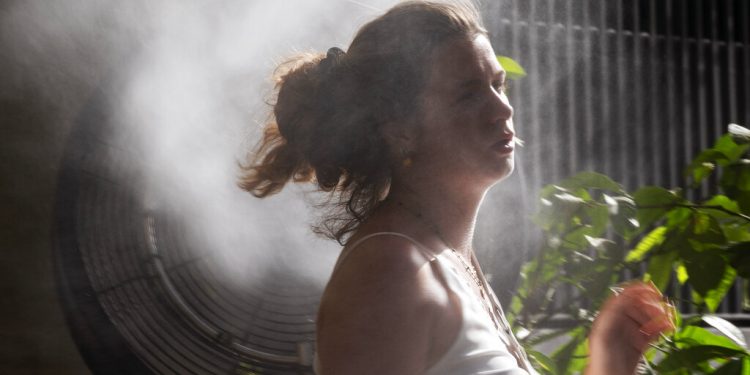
{"x": 505, "y": 146}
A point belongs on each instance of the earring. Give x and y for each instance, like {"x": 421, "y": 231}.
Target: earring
{"x": 405, "y": 158}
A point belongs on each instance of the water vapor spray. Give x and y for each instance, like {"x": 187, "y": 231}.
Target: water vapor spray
{"x": 191, "y": 80}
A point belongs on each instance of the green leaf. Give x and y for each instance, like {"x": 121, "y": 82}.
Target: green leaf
{"x": 706, "y": 270}
{"x": 743, "y": 200}
{"x": 543, "y": 363}
{"x": 563, "y": 354}
{"x": 559, "y": 209}
{"x": 659, "y": 269}
{"x": 728, "y": 181}
{"x": 598, "y": 242}
{"x": 513, "y": 70}
{"x": 710, "y": 155}
{"x": 682, "y": 274}
{"x": 728, "y": 329}
{"x": 693, "y": 336}
{"x": 676, "y": 242}
{"x": 724, "y": 202}
{"x": 714, "y": 296}
{"x": 612, "y": 206}
{"x": 704, "y": 164}
{"x": 569, "y": 199}
{"x": 739, "y": 134}
{"x": 705, "y": 229}
{"x": 739, "y": 366}
{"x": 737, "y": 231}
{"x": 739, "y": 258}
{"x": 580, "y": 358}
{"x": 743, "y": 181}
{"x": 692, "y": 356}
{"x": 652, "y": 202}
{"x": 597, "y": 215}
{"x": 678, "y": 218}
{"x": 623, "y": 213}
{"x": 727, "y": 146}
{"x": 550, "y": 189}
{"x": 591, "y": 180}
{"x": 701, "y": 172}
{"x": 650, "y": 241}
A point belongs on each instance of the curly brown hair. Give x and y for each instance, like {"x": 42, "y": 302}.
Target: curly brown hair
{"x": 330, "y": 108}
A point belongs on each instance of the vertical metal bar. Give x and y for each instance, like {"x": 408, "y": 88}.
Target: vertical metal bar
{"x": 555, "y": 80}
{"x": 588, "y": 122}
{"x": 670, "y": 117}
{"x": 656, "y": 127}
{"x": 731, "y": 68}
{"x": 637, "y": 176}
{"x": 716, "y": 104}
{"x": 621, "y": 113}
{"x": 718, "y": 118}
{"x": 515, "y": 41}
{"x": 532, "y": 98}
{"x": 521, "y": 115}
{"x": 671, "y": 124}
{"x": 746, "y": 61}
{"x": 687, "y": 81}
{"x": 571, "y": 78}
{"x": 737, "y": 296}
{"x": 687, "y": 116}
{"x": 701, "y": 79}
{"x": 605, "y": 117}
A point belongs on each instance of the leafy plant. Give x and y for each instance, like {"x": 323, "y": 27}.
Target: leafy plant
{"x": 513, "y": 70}
{"x": 594, "y": 230}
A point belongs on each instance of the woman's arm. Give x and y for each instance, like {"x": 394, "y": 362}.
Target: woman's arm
{"x": 377, "y": 314}
{"x": 627, "y": 323}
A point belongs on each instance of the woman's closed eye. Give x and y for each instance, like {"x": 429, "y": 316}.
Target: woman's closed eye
{"x": 500, "y": 86}
{"x": 476, "y": 93}
{"x": 470, "y": 95}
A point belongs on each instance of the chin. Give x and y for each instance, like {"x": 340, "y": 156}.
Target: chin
{"x": 507, "y": 173}
{"x": 502, "y": 170}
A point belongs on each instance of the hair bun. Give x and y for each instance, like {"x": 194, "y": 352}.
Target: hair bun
{"x": 333, "y": 57}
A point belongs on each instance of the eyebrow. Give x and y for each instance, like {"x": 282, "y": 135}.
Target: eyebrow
{"x": 469, "y": 83}
{"x": 473, "y": 82}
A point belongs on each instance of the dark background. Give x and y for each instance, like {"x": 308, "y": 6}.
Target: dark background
{"x": 34, "y": 338}
{"x": 42, "y": 95}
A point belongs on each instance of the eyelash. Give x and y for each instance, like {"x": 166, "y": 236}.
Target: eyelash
{"x": 501, "y": 87}
{"x": 497, "y": 86}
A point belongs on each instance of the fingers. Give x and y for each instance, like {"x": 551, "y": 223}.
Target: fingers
{"x": 639, "y": 312}
{"x": 648, "y": 309}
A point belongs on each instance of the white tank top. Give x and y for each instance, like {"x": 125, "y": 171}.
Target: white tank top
{"x": 479, "y": 348}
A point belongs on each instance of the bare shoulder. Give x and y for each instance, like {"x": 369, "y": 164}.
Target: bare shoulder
{"x": 382, "y": 303}
{"x": 385, "y": 269}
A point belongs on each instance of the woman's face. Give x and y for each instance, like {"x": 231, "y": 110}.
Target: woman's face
{"x": 466, "y": 127}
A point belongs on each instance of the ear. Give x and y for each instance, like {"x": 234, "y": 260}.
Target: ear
{"x": 400, "y": 137}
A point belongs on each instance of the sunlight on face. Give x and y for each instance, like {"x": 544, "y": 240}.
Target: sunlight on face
{"x": 467, "y": 127}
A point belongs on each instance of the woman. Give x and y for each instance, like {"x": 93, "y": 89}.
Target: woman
{"x": 408, "y": 130}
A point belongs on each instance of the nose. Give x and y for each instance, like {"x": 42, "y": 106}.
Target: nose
{"x": 502, "y": 110}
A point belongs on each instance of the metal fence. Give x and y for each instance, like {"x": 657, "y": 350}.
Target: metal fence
{"x": 631, "y": 88}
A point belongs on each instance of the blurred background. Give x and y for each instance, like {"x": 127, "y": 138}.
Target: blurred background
{"x": 127, "y": 247}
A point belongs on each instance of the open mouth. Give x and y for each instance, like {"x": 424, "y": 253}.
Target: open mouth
{"x": 504, "y": 146}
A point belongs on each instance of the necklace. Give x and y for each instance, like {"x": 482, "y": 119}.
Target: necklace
{"x": 470, "y": 269}
{"x": 490, "y": 303}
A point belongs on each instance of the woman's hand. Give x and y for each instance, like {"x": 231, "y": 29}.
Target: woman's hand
{"x": 627, "y": 323}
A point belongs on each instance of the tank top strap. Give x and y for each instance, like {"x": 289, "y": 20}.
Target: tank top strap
{"x": 430, "y": 256}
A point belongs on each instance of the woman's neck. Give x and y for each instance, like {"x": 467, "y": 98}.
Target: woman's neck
{"x": 449, "y": 210}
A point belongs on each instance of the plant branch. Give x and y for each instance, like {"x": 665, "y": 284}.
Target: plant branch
{"x": 700, "y": 206}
